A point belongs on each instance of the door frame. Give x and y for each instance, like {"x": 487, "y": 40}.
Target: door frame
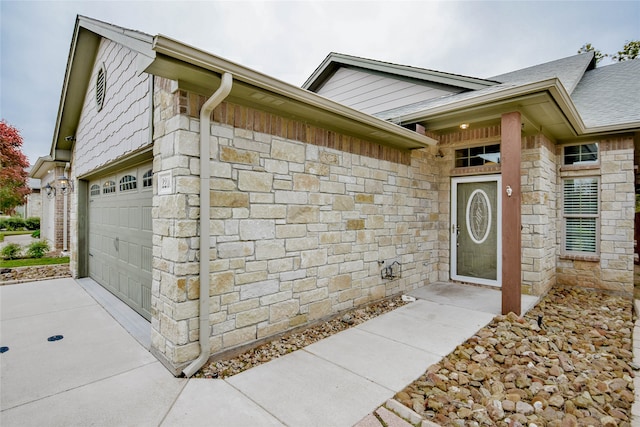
{"x": 452, "y": 232}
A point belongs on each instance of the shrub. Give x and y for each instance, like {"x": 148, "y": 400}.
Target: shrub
{"x": 32, "y": 223}
{"x": 11, "y": 251}
{"x": 37, "y": 249}
{"x": 36, "y": 234}
{"x": 13, "y": 223}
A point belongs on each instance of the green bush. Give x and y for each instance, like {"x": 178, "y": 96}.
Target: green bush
{"x": 11, "y": 251}
{"x": 32, "y": 223}
{"x": 37, "y": 249}
{"x": 13, "y": 223}
{"x": 36, "y": 234}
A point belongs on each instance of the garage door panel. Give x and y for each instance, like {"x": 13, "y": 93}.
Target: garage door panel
{"x": 120, "y": 240}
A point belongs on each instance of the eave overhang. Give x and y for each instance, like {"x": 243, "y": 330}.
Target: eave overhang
{"x": 336, "y": 60}
{"x": 200, "y": 71}
{"x": 86, "y": 38}
{"x": 546, "y": 107}
{"x": 43, "y": 165}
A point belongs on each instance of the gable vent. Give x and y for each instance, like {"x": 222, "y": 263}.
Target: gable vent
{"x": 101, "y": 85}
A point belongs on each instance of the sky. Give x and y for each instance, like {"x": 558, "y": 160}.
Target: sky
{"x": 289, "y": 39}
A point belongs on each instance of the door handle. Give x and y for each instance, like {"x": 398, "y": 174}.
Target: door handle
{"x": 116, "y": 244}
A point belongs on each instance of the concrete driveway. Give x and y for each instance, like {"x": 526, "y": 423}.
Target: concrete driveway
{"x": 93, "y": 372}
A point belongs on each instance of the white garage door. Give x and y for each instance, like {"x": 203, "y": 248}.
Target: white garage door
{"x": 120, "y": 235}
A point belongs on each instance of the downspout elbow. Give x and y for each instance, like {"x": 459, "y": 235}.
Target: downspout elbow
{"x": 205, "y": 220}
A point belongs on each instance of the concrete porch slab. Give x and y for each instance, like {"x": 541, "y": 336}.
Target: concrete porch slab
{"x": 476, "y": 298}
{"x": 384, "y": 361}
{"x": 301, "y": 389}
{"x": 206, "y": 402}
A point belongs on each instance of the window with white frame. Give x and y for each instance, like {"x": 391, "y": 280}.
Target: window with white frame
{"x": 582, "y": 154}
{"x": 581, "y": 209}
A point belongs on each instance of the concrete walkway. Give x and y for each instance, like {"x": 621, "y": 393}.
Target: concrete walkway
{"x": 98, "y": 374}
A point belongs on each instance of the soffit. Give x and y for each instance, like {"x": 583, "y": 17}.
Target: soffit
{"x": 199, "y": 71}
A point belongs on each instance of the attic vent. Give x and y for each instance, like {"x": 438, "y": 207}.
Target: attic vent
{"x": 101, "y": 84}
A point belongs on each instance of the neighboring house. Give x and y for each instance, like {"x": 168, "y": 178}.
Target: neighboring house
{"x": 54, "y": 202}
{"x": 306, "y": 206}
{"x": 33, "y": 204}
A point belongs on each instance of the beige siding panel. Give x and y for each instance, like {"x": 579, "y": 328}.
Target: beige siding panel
{"x": 122, "y": 125}
{"x": 373, "y": 93}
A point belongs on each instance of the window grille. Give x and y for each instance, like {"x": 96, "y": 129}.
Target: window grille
{"x": 147, "y": 179}
{"x": 95, "y": 190}
{"x": 128, "y": 182}
{"x": 109, "y": 187}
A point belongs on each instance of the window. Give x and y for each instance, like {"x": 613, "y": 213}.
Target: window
{"x": 95, "y": 190}
{"x": 584, "y": 154}
{"x": 478, "y": 156}
{"x": 109, "y": 187}
{"x": 147, "y": 179}
{"x": 580, "y": 215}
{"x": 128, "y": 182}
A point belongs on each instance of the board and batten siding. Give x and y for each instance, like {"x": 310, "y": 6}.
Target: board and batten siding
{"x": 122, "y": 125}
{"x": 373, "y": 93}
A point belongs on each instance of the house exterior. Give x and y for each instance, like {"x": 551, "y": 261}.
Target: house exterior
{"x": 307, "y": 204}
{"x": 53, "y": 208}
{"x": 33, "y": 204}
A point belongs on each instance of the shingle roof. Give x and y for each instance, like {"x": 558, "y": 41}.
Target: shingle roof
{"x": 609, "y": 95}
{"x": 568, "y": 70}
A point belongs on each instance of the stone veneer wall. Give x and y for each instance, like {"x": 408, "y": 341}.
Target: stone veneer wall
{"x": 301, "y": 218}
{"x": 539, "y": 207}
{"x": 612, "y": 270}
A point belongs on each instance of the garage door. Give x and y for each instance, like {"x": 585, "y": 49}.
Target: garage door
{"x": 120, "y": 235}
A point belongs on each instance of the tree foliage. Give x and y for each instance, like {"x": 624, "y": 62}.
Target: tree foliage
{"x": 13, "y": 174}
{"x": 631, "y": 50}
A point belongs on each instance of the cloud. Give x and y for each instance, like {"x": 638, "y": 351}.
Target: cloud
{"x": 289, "y": 39}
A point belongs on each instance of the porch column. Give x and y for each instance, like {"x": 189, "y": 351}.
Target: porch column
{"x": 511, "y": 213}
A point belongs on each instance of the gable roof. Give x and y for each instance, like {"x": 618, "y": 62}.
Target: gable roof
{"x": 567, "y": 98}
{"x": 200, "y": 71}
{"x": 335, "y": 60}
{"x": 568, "y": 70}
{"x": 609, "y": 95}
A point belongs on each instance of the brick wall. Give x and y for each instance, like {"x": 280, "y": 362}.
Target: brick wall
{"x": 298, "y": 227}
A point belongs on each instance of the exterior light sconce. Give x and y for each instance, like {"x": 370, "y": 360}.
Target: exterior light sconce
{"x": 509, "y": 191}
{"x": 65, "y": 185}
{"x": 51, "y": 191}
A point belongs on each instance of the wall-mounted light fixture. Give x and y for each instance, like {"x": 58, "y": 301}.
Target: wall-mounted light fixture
{"x": 64, "y": 184}
{"x": 51, "y": 191}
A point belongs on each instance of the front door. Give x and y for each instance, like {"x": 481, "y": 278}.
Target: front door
{"x": 475, "y": 230}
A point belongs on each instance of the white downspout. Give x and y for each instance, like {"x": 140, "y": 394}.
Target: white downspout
{"x": 205, "y": 220}
{"x": 65, "y": 197}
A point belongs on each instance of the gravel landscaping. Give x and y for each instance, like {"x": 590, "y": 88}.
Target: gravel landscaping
{"x": 10, "y": 276}
{"x": 568, "y": 362}
{"x": 296, "y": 340}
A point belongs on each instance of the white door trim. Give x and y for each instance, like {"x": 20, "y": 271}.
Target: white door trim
{"x": 453, "y": 230}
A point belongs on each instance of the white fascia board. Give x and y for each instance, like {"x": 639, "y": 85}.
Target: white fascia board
{"x": 337, "y": 60}
{"x": 552, "y": 86}
{"x": 191, "y": 55}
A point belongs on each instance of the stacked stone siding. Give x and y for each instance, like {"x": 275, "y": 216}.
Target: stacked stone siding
{"x": 612, "y": 268}
{"x": 298, "y": 229}
{"x": 539, "y": 208}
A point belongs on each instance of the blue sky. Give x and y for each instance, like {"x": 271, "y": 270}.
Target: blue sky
{"x": 288, "y": 40}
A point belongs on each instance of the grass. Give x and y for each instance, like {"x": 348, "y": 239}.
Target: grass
{"x": 29, "y": 262}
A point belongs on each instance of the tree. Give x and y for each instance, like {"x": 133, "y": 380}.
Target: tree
{"x": 13, "y": 176}
{"x": 631, "y": 50}
{"x": 589, "y": 48}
